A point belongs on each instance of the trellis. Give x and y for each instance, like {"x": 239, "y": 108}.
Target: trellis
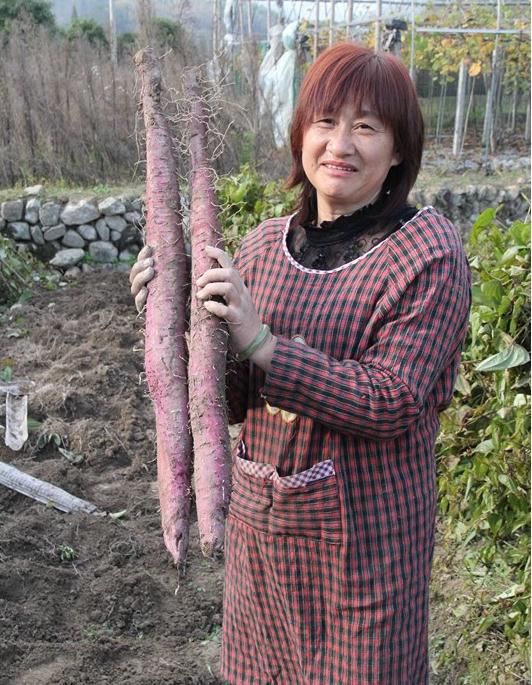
{"x": 329, "y": 16}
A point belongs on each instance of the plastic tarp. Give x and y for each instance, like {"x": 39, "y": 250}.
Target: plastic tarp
{"x": 276, "y": 79}
{"x": 229, "y": 21}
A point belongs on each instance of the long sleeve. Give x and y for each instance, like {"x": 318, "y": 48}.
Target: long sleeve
{"x": 236, "y": 389}
{"x": 380, "y": 393}
{"x": 237, "y": 379}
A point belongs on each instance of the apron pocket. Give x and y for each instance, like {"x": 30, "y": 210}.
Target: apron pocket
{"x": 306, "y": 504}
{"x": 251, "y": 494}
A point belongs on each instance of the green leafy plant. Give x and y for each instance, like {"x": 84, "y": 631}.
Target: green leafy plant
{"x": 19, "y": 273}
{"x": 246, "y": 200}
{"x": 66, "y": 553}
{"x": 6, "y": 374}
{"x": 484, "y": 446}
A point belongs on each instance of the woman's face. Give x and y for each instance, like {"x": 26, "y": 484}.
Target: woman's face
{"x": 346, "y": 157}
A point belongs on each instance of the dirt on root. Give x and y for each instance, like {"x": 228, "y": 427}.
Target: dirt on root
{"x": 94, "y": 599}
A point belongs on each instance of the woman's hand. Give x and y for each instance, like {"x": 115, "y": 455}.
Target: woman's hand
{"x": 141, "y": 273}
{"x": 238, "y": 309}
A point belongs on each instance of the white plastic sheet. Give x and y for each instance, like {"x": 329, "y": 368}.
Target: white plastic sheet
{"x": 16, "y": 421}
{"x": 276, "y": 77}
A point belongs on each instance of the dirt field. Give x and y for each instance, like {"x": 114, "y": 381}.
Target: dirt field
{"x": 117, "y": 612}
{"x": 95, "y": 600}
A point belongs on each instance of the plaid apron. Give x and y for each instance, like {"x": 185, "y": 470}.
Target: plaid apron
{"x": 330, "y": 531}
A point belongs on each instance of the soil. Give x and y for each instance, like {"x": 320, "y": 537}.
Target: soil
{"x": 117, "y": 612}
{"x": 88, "y": 599}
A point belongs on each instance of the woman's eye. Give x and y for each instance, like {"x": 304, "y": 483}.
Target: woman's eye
{"x": 325, "y": 120}
{"x": 364, "y": 127}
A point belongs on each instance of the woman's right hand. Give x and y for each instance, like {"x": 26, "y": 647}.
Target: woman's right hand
{"x": 141, "y": 273}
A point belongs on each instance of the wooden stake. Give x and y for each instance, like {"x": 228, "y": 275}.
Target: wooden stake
{"x": 44, "y": 492}
{"x": 112, "y": 28}
{"x": 490, "y": 98}
{"x": 215, "y": 14}
{"x": 331, "y": 24}
{"x": 317, "y": 30}
{"x": 378, "y": 7}
{"x": 460, "y": 109}
{"x": 466, "y": 120}
{"x": 527, "y": 121}
{"x": 250, "y": 21}
{"x": 349, "y": 19}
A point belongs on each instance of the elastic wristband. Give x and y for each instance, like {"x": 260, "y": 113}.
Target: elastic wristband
{"x": 257, "y": 342}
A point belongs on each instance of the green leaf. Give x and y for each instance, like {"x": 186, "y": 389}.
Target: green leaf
{"x": 492, "y": 292}
{"x": 521, "y": 400}
{"x": 507, "y": 359}
{"x": 509, "y": 254}
{"x": 25, "y": 295}
{"x": 484, "y": 447}
{"x": 462, "y": 385}
{"x": 512, "y": 591}
{"x": 484, "y": 220}
{"x": 6, "y": 374}
{"x": 71, "y": 456}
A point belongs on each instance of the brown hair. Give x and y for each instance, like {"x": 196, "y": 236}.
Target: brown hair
{"x": 354, "y": 74}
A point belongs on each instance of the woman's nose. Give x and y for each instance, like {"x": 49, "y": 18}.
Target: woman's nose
{"x": 341, "y": 142}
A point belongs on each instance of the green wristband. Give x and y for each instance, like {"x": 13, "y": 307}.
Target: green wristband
{"x": 257, "y": 342}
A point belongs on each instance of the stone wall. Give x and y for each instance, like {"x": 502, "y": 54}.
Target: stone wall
{"x": 76, "y": 236}
{"x": 462, "y": 206}
{"x": 90, "y": 234}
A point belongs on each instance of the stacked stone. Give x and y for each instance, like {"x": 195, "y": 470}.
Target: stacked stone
{"x": 464, "y": 206}
{"x": 110, "y": 231}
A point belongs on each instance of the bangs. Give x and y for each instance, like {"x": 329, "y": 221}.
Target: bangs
{"x": 360, "y": 81}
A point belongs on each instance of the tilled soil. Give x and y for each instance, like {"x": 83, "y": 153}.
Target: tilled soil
{"x": 94, "y": 599}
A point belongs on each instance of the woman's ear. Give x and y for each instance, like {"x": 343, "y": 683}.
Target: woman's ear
{"x": 397, "y": 158}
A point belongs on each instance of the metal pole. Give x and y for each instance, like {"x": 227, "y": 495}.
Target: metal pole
{"x": 269, "y": 17}
{"x": 460, "y": 109}
{"x": 317, "y": 29}
{"x": 349, "y": 19}
{"x": 378, "y": 8}
{"x": 331, "y": 25}
{"x": 447, "y": 29}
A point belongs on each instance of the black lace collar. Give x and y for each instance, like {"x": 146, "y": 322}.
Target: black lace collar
{"x": 349, "y": 226}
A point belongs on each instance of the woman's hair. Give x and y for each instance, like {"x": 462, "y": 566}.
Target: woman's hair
{"x": 348, "y": 73}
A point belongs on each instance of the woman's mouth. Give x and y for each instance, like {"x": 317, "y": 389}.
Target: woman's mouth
{"x": 345, "y": 168}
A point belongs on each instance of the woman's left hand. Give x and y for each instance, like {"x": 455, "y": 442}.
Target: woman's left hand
{"x": 238, "y": 310}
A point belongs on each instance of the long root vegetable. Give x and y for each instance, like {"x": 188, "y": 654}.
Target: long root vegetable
{"x": 165, "y": 345}
{"x": 208, "y": 346}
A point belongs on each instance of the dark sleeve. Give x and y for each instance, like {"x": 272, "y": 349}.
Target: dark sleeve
{"x": 237, "y": 380}
{"x": 381, "y": 393}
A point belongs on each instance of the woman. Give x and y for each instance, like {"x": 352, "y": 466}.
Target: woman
{"x": 350, "y": 316}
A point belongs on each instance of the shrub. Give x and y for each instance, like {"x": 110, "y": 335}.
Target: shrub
{"x": 246, "y": 201}
{"x": 484, "y": 446}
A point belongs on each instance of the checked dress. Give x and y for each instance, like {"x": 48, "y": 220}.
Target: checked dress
{"x": 330, "y": 530}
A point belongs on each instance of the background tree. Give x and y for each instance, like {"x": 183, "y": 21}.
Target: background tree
{"x": 89, "y": 30}
{"x": 40, "y": 11}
